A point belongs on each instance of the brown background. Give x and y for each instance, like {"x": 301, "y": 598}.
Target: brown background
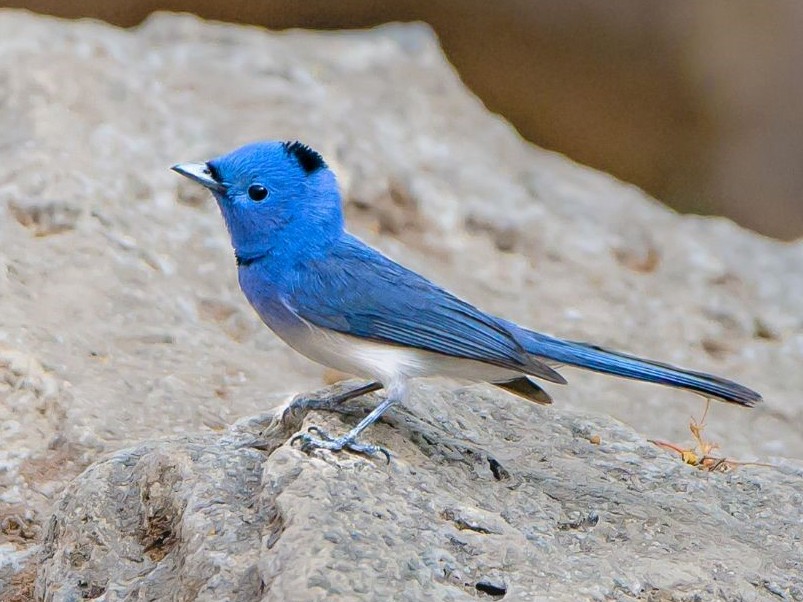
{"x": 697, "y": 102}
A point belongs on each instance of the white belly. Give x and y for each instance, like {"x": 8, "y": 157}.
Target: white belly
{"x": 389, "y": 364}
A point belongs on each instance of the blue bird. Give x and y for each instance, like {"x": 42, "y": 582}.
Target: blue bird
{"x": 343, "y": 304}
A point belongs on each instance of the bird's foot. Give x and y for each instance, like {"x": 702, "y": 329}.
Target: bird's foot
{"x": 332, "y": 399}
{"x": 289, "y": 418}
{"x": 325, "y": 441}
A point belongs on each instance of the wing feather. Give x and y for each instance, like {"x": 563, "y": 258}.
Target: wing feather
{"x": 358, "y": 291}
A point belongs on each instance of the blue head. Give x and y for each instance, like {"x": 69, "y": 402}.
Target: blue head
{"x": 274, "y": 196}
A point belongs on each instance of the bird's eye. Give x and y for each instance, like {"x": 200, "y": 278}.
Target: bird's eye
{"x": 257, "y": 192}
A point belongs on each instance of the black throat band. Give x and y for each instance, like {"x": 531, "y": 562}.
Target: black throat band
{"x": 246, "y": 261}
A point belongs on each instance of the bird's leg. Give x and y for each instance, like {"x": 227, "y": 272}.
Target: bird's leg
{"x": 349, "y": 440}
{"x": 328, "y": 401}
{"x": 290, "y": 417}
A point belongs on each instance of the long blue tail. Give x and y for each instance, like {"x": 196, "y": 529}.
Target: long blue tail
{"x": 606, "y": 361}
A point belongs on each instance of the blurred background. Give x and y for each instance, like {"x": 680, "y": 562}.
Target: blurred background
{"x": 699, "y": 103}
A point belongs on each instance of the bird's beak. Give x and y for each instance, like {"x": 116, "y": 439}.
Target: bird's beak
{"x": 200, "y": 172}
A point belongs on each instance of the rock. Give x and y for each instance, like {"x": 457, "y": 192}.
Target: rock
{"x": 118, "y": 289}
{"x": 513, "y": 503}
{"x": 44, "y": 218}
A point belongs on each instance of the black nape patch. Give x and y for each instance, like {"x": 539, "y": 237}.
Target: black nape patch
{"x": 309, "y": 160}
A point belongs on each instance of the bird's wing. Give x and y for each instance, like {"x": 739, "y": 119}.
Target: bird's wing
{"x": 357, "y": 291}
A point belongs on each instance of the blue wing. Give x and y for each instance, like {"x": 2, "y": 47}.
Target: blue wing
{"x": 358, "y": 291}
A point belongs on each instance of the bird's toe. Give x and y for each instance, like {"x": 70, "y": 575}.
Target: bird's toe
{"x": 323, "y": 434}
{"x": 308, "y": 443}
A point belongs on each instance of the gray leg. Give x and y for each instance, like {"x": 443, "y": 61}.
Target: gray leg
{"x": 331, "y": 400}
{"x": 349, "y": 440}
{"x": 363, "y": 390}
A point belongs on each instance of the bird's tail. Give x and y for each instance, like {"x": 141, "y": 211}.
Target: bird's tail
{"x": 595, "y": 358}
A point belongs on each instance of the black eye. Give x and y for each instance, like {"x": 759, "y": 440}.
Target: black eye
{"x": 257, "y": 192}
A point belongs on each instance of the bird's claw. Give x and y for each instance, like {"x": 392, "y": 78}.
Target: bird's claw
{"x": 325, "y": 441}
{"x": 322, "y": 433}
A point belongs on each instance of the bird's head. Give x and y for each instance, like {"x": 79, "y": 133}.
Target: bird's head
{"x": 272, "y": 194}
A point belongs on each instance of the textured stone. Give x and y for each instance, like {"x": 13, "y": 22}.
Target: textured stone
{"x": 121, "y": 321}
{"x": 513, "y": 503}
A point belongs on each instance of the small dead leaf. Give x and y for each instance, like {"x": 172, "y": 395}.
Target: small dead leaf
{"x": 700, "y": 456}
{"x": 689, "y": 457}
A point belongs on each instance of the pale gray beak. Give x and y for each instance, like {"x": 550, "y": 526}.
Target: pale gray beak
{"x": 200, "y": 172}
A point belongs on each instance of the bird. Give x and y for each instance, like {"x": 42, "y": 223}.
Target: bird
{"x": 342, "y": 303}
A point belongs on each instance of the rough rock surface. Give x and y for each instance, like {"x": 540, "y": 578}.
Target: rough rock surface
{"x": 120, "y": 318}
{"x": 486, "y": 498}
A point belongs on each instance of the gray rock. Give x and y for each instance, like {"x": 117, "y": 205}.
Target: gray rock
{"x": 486, "y": 498}
{"x": 121, "y": 321}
